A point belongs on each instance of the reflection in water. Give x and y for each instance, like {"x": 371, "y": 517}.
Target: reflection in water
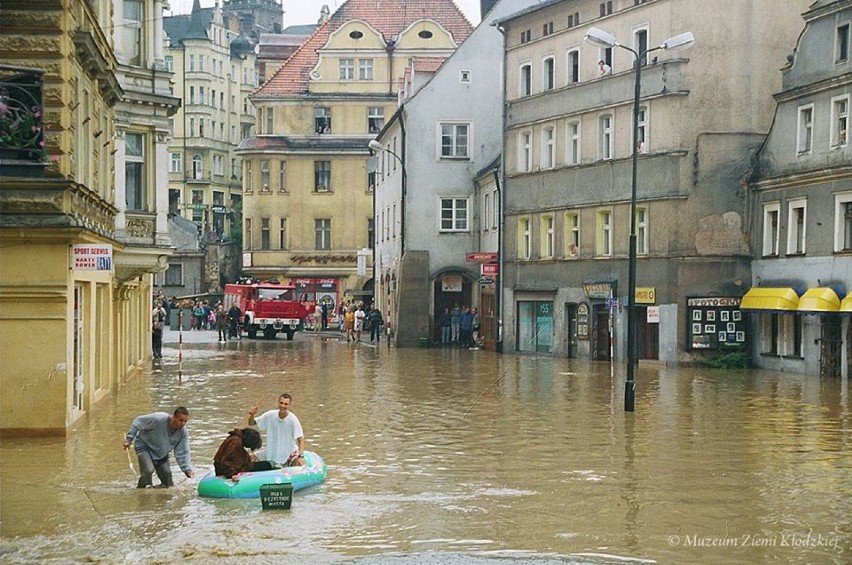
{"x": 455, "y": 456}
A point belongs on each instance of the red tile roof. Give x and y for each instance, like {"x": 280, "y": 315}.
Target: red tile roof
{"x": 388, "y": 17}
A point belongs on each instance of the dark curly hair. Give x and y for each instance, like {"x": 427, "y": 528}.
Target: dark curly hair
{"x": 251, "y": 438}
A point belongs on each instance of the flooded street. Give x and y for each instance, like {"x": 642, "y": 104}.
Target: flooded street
{"x": 453, "y": 456}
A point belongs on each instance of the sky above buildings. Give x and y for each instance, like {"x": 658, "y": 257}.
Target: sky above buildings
{"x": 307, "y": 11}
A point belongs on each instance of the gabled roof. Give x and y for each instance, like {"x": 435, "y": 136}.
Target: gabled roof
{"x": 388, "y": 17}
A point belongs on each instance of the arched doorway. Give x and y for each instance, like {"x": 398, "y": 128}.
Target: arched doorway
{"x": 450, "y": 288}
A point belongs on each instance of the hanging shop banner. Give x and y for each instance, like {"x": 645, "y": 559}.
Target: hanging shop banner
{"x": 89, "y": 257}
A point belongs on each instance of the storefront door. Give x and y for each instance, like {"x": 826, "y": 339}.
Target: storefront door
{"x": 535, "y": 326}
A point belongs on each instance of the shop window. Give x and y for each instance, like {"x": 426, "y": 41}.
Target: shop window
{"x": 535, "y": 326}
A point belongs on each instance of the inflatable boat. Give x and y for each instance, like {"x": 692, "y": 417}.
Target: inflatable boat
{"x": 248, "y": 486}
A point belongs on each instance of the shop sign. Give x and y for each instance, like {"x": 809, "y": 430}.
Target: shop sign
{"x": 197, "y": 206}
{"x": 599, "y": 290}
{"x": 90, "y": 257}
{"x": 490, "y": 269}
{"x": 653, "y": 315}
{"x": 583, "y": 321}
{"x": 480, "y": 257}
{"x": 646, "y": 295}
{"x": 218, "y": 209}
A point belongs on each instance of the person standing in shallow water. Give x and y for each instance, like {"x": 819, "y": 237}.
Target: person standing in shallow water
{"x": 153, "y": 437}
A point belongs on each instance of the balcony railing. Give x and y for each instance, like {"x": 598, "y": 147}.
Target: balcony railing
{"x": 21, "y": 115}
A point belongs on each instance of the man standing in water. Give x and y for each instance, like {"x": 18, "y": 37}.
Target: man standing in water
{"x": 155, "y": 435}
{"x": 285, "y": 441}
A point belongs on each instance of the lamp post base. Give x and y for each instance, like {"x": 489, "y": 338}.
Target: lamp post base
{"x": 629, "y": 396}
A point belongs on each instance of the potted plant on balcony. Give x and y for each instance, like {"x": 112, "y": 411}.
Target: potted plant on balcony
{"x": 22, "y": 150}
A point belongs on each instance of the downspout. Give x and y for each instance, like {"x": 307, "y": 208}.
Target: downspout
{"x": 404, "y": 185}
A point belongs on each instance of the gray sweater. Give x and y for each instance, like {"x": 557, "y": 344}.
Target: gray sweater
{"x": 152, "y": 433}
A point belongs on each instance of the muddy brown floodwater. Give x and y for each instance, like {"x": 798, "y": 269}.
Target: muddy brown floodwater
{"x": 454, "y": 456}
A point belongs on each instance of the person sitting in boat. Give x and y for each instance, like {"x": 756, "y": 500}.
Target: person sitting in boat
{"x": 232, "y": 457}
{"x": 285, "y": 439}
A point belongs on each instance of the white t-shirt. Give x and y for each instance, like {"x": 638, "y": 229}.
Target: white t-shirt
{"x": 359, "y": 319}
{"x": 281, "y": 434}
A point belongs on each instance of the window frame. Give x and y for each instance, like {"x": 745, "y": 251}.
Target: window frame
{"x": 136, "y": 162}
{"x": 346, "y": 69}
{"x": 771, "y": 239}
{"x": 456, "y": 146}
{"x": 322, "y": 120}
{"x": 571, "y": 228}
{"x": 455, "y": 214}
{"x": 606, "y": 137}
{"x": 548, "y": 148}
{"x": 839, "y": 130}
{"x": 805, "y": 130}
{"x": 604, "y": 240}
{"x": 841, "y": 42}
{"x": 176, "y": 162}
{"x": 322, "y": 176}
{"x": 375, "y": 119}
{"x": 524, "y": 243}
{"x": 322, "y": 234}
{"x": 525, "y": 79}
{"x": 572, "y": 65}
{"x": 573, "y": 140}
{"x": 547, "y": 242}
{"x": 796, "y": 238}
{"x": 548, "y": 73}
{"x": 642, "y": 239}
{"x": 842, "y": 223}
{"x": 365, "y": 69}
{"x": 525, "y": 147}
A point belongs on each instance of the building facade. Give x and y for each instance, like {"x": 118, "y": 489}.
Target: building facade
{"x": 214, "y": 73}
{"x": 308, "y": 196}
{"x": 433, "y": 239}
{"x": 799, "y": 304}
{"x": 567, "y": 173}
{"x": 75, "y": 282}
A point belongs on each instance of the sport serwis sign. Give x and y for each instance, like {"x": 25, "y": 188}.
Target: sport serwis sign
{"x": 91, "y": 257}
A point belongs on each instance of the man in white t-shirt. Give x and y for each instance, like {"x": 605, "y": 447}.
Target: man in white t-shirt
{"x": 285, "y": 441}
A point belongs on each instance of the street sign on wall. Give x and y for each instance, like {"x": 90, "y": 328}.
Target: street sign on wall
{"x": 479, "y": 257}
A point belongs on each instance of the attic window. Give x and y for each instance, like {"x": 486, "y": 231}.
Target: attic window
{"x": 356, "y": 34}
{"x": 425, "y": 34}
{"x": 464, "y": 76}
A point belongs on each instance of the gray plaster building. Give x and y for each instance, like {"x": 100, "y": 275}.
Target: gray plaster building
{"x": 428, "y": 208}
{"x": 568, "y": 148}
{"x": 799, "y": 304}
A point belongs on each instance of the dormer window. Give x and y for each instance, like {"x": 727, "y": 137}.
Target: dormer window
{"x": 356, "y": 34}
{"x": 425, "y": 34}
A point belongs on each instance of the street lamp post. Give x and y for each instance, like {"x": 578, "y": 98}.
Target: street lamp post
{"x": 603, "y": 39}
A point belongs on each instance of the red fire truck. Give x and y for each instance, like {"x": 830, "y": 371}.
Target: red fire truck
{"x": 268, "y": 307}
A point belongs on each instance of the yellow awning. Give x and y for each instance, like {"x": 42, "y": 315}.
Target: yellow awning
{"x": 765, "y": 298}
{"x": 846, "y": 305}
{"x": 820, "y": 299}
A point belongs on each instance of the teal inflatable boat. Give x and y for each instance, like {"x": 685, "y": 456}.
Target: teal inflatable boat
{"x": 248, "y": 486}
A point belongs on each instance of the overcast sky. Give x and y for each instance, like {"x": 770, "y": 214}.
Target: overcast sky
{"x": 307, "y": 11}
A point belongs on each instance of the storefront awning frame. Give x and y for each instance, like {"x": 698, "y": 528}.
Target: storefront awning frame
{"x": 819, "y": 300}
{"x": 770, "y": 299}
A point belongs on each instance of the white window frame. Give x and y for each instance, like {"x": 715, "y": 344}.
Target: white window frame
{"x": 525, "y": 81}
{"x": 282, "y": 233}
{"x": 572, "y": 142}
{"x": 524, "y": 237}
{"x": 636, "y": 47}
{"x": 375, "y": 119}
{"x": 346, "y": 69}
{"x": 642, "y": 123}
{"x": 459, "y": 214}
{"x": 486, "y": 207}
{"x": 796, "y": 239}
{"x": 805, "y": 130}
{"x": 176, "y": 163}
{"x": 282, "y": 175}
{"x": 548, "y": 73}
{"x": 525, "y": 151}
{"x": 270, "y": 119}
{"x": 139, "y": 162}
{"x": 603, "y": 218}
{"x": 548, "y": 239}
{"x": 134, "y": 29}
{"x": 365, "y": 69}
{"x": 842, "y": 228}
{"x": 322, "y": 234}
{"x": 839, "y": 130}
{"x": 569, "y": 65}
{"x": 495, "y": 205}
{"x": 548, "y": 147}
{"x": 641, "y": 230}
{"x": 771, "y": 233}
{"x": 264, "y": 174}
{"x": 460, "y": 143}
{"x": 218, "y": 165}
{"x": 606, "y": 131}
{"x": 572, "y": 234}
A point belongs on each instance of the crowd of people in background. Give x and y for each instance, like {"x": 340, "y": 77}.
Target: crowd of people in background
{"x": 460, "y": 326}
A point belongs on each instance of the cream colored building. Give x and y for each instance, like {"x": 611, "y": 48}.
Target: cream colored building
{"x": 308, "y": 200}
{"x": 214, "y": 72}
{"x": 75, "y": 263}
